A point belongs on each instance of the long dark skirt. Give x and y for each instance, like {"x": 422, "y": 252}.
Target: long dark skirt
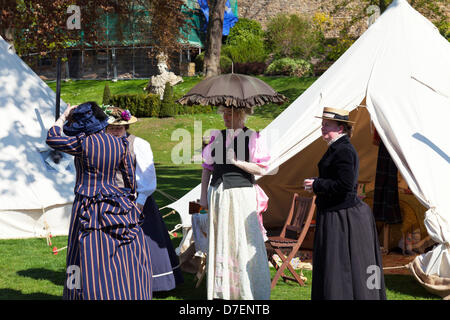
{"x": 347, "y": 259}
{"x": 107, "y": 256}
{"x": 165, "y": 263}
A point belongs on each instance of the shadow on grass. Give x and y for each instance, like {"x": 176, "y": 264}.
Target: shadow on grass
{"x": 56, "y": 277}
{"x": 401, "y": 287}
{"x": 10, "y": 294}
{"x": 175, "y": 181}
{"x": 184, "y": 291}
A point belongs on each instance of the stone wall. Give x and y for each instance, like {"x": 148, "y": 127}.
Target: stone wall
{"x": 264, "y": 10}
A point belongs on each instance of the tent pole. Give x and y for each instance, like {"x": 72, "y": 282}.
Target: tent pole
{"x": 58, "y": 87}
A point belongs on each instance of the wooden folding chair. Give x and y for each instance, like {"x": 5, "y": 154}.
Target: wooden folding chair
{"x": 291, "y": 238}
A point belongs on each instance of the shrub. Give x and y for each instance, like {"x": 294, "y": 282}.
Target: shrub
{"x": 247, "y": 48}
{"x": 254, "y": 68}
{"x": 106, "y": 95}
{"x": 245, "y": 25}
{"x": 140, "y": 105}
{"x": 150, "y": 105}
{"x": 245, "y": 42}
{"x": 290, "y": 67}
{"x": 337, "y": 50}
{"x": 167, "y": 103}
{"x": 294, "y": 36}
{"x": 225, "y": 63}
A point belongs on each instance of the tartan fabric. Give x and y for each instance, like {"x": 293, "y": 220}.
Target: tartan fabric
{"x": 386, "y": 207}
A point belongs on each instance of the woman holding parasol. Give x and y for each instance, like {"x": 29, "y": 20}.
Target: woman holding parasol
{"x": 237, "y": 266}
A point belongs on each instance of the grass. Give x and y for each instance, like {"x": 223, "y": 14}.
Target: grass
{"x": 29, "y": 270}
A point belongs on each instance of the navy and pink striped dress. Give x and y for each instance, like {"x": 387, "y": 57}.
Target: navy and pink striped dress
{"x": 107, "y": 257}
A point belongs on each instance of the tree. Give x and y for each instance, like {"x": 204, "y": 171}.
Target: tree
{"x": 169, "y": 26}
{"x": 40, "y": 26}
{"x": 211, "y": 63}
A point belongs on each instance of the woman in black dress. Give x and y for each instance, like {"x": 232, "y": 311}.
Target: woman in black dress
{"x": 346, "y": 260}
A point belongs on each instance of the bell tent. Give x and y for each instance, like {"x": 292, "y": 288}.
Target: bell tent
{"x": 36, "y": 184}
{"x": 394, "y": 78}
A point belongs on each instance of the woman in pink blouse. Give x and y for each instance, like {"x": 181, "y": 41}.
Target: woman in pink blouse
{"x": 237, "y": 266}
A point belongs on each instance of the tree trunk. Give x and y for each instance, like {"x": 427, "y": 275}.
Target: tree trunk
{"x": 211, "y": 65}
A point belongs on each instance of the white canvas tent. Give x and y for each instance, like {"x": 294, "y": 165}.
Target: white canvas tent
{"x": 35, "y": 193}
{"x": 399, "y": 70}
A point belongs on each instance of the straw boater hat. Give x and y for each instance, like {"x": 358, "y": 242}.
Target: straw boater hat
{"x": 119, "y": 117}
{"x": 336, "y": 115}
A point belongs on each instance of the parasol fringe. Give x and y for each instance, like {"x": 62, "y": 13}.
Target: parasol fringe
{"x": 230, "y": 101}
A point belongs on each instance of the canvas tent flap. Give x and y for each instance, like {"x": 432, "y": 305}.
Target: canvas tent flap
{"x": 35, "y": 223}
{"x": 27, "y": 182}
{"x": 408, "y": 116}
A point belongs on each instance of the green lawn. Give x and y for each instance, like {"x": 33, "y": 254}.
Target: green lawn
{"x": 29, "y": 270}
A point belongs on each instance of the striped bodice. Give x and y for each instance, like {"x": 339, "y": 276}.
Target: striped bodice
{"x": 98, "y": 158}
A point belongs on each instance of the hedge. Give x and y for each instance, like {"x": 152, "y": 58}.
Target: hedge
{"x": 149, "y": 105}
{"x": 140, "y": 105}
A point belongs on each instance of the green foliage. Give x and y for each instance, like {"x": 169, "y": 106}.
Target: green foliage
{"x": 245, "y": 42}
{"x": 246, "y": 47}
{"x": 167, "y": 103}
{"x": 290, "y": 67}
{"x": 338, "y": 49}
{"x": 245, "y": 26}
{"x": 225, "y": 63}
{"x": 106, "y": 95}
{"x": 140, "y": 105}
{"x": 294, "y": 36}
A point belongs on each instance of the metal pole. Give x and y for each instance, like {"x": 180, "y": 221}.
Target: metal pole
{"x": 114, "y": 64}
{"x": 58, "y": 88}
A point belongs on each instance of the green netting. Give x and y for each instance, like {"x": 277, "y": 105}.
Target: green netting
{"x": 135, "y": 31}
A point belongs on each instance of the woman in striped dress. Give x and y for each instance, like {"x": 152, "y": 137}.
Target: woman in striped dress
{"x": 108, "y": 257}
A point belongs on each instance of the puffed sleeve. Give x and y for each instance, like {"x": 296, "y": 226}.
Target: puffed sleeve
{"x": 208, "y": 160}
{"x": 145, "y": 170}
{"x": 126, "y": 168}
{"x": 68, "y": 144}
{"x": 259, "y": 152}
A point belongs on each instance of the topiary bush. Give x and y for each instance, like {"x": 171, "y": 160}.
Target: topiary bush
{"x": 290, "y": 67}
{"x": 167, "y": 103}
{"x": 106, "y": 95}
